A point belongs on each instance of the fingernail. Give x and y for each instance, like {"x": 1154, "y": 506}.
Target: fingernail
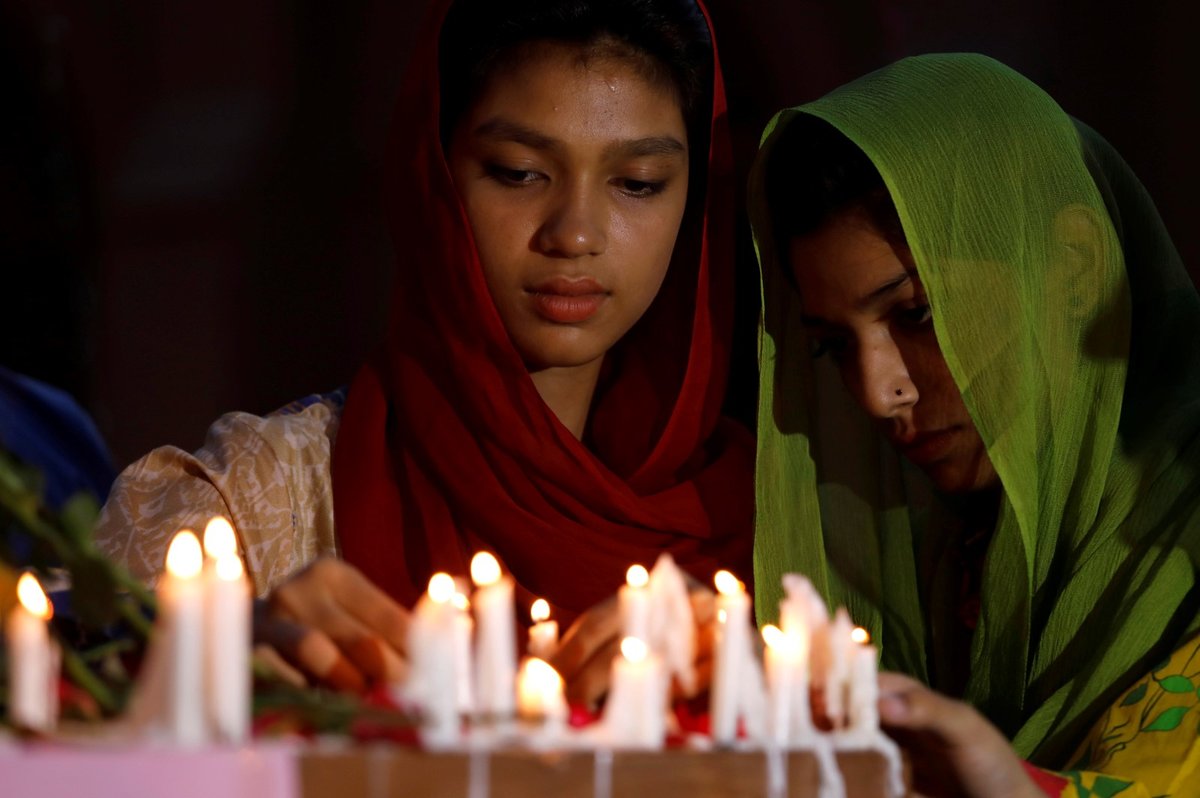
{"x": 345, "y": 677}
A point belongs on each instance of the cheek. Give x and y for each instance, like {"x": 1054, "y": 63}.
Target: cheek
{"x": 646, "y": 239}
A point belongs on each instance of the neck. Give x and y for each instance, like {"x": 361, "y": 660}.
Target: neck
{"x": 567, "y": 391}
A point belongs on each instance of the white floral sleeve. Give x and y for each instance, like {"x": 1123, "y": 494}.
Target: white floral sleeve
{"x": 270, "y": 475}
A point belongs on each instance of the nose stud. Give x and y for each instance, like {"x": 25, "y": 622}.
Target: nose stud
{"x": 899, "y": 392}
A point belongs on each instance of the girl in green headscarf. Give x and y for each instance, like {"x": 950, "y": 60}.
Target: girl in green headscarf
{"x": 979, "y": 418}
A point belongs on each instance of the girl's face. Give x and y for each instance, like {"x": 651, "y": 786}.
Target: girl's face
{"x": 864, "y": 306}
{"x": 574, "y": 176}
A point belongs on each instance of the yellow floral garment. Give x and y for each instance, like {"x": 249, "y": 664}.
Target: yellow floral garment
{"x": 1146, "y": 744}
{"x": 268, "y": 474}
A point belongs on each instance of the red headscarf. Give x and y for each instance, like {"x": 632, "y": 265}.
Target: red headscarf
{"x": 446, "y": 447}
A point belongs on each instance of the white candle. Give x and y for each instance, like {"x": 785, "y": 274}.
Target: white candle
{"x": 543, "y": 635}
{"x": 33, "y": 661}
{"x": 731, "y": 664}
{"x": 432, "y": 672}
{"x": 786, "y": 656}
{"x": 837, "y": 674}
{"x": 181, "y": 624}
{"x": 495, "y": 645}
{"x": 864, "y": 685}
{"x": 464, "y": 657}
{"x": 540, "y": 693}
{"x": 227, "y": 634}
{"x": 633, "y": 603}
{"x": 635, "y": 715}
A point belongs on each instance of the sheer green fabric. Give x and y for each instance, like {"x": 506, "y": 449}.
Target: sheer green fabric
{"x": 1073, "y": 334}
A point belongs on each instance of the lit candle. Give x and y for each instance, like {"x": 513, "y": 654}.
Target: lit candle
{"x": 837, "y": 674}
{"x": 464, "y": 659}
{"x": 787, "y": 677}
{"x": 635, "y": 715}
{"x": 863, "y": 715}
{"x": 181, "y": 624}
{"x": 33, "y": 659}
{"x": 731, "y": 665}
{"x": 540, "y": 693}
{"x": 633, "y": 603}
{"x": 495, "y": 637}
{"x": 227, "y": 634}
{"x": 432, "y": 677}
{"x": 543, "y": 635}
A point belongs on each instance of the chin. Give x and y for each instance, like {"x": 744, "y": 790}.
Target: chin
{"x": 958, "y": 479}
{"x": 560, "y": 354}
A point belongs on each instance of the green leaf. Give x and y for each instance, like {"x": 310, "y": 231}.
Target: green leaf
{"x": 1106, "y": 786}
{"x": 77, "y": 518}
{"x": 1167, "y": 720}
{"x": 1177, "y": 684}
{"x": 1136, "y": 695}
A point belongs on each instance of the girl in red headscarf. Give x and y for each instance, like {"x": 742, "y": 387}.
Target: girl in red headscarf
{"x": 551, "y": 380}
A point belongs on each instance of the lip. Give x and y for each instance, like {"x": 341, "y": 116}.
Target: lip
{"x": 929, "y": 447}
{"x": 567, "y": 300}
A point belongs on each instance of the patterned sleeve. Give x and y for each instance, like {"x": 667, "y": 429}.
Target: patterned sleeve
{"x": 270, "y": 476}
{"x": 1146, "y": 744}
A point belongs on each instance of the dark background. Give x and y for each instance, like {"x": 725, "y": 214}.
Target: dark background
{"x": 189, "y": 215}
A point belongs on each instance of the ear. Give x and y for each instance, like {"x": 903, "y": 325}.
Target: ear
{"x": 1079, "y": 229}
{"x": 1080, "y": 250}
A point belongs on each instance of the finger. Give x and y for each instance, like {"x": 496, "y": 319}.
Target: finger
{"x": 373, "y": 608}
{"x": 266, "y": 657}
{"x": 376, "y": 659}
{"x": 590, "y": 682}
{"x": 592, "y": 631}
{"x": 907, "y": 704}
{"x": 311, "y": 651}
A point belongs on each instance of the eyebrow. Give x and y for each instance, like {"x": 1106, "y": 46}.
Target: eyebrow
{"x": 507, "y": 130}
{"x": 875, "y": 295}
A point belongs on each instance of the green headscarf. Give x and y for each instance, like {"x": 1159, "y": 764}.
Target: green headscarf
{"x": 1078, "y": 358}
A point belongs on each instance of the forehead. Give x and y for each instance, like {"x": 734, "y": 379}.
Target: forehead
{"x": 574, "y": 93}
{"x": 838, "y": 266}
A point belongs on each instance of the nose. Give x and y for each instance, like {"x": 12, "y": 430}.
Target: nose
{"x": 882, "y": 383}
{"x": 574, "y": 225}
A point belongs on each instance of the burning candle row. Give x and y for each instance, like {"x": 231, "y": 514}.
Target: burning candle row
{"x": 462, "y": 664}
{"x": 197, "y": 689}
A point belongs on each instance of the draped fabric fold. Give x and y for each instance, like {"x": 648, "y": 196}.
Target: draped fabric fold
{"x": 446, "y": 447}
{"x": 1073, "y": 333}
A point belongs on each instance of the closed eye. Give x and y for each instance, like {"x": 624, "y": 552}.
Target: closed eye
{"x": 916, "y": 316}
{"x": 833, "y": 345}
{"x": 641, "y": 188}
{"x": 512, "y": 177}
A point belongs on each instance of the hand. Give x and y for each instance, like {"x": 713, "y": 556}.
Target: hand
{"x": 954, "y": 750}
{"x": 335, "y": 626}
{"x": 584, "y": 657}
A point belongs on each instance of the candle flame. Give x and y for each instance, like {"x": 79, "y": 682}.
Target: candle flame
{"x": 774, "y": 637}
{"x": 860, "y": 635}
{"x": 184, "y": 558}
{"x": 461, "y": 602}
{"x": 229, "y": 568}
{"x": 727, "y": 584}
{"x": 485, "y": 569}
{"x": 33, "y": 598}
{"x": 441, "y": 588}
{"x": 540, "y": 611}
{"x": 219, "y": 538}
{"x": 634, "y": 649}
{"x": 541, "y": 673}
{"x": 637, "y": 576}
